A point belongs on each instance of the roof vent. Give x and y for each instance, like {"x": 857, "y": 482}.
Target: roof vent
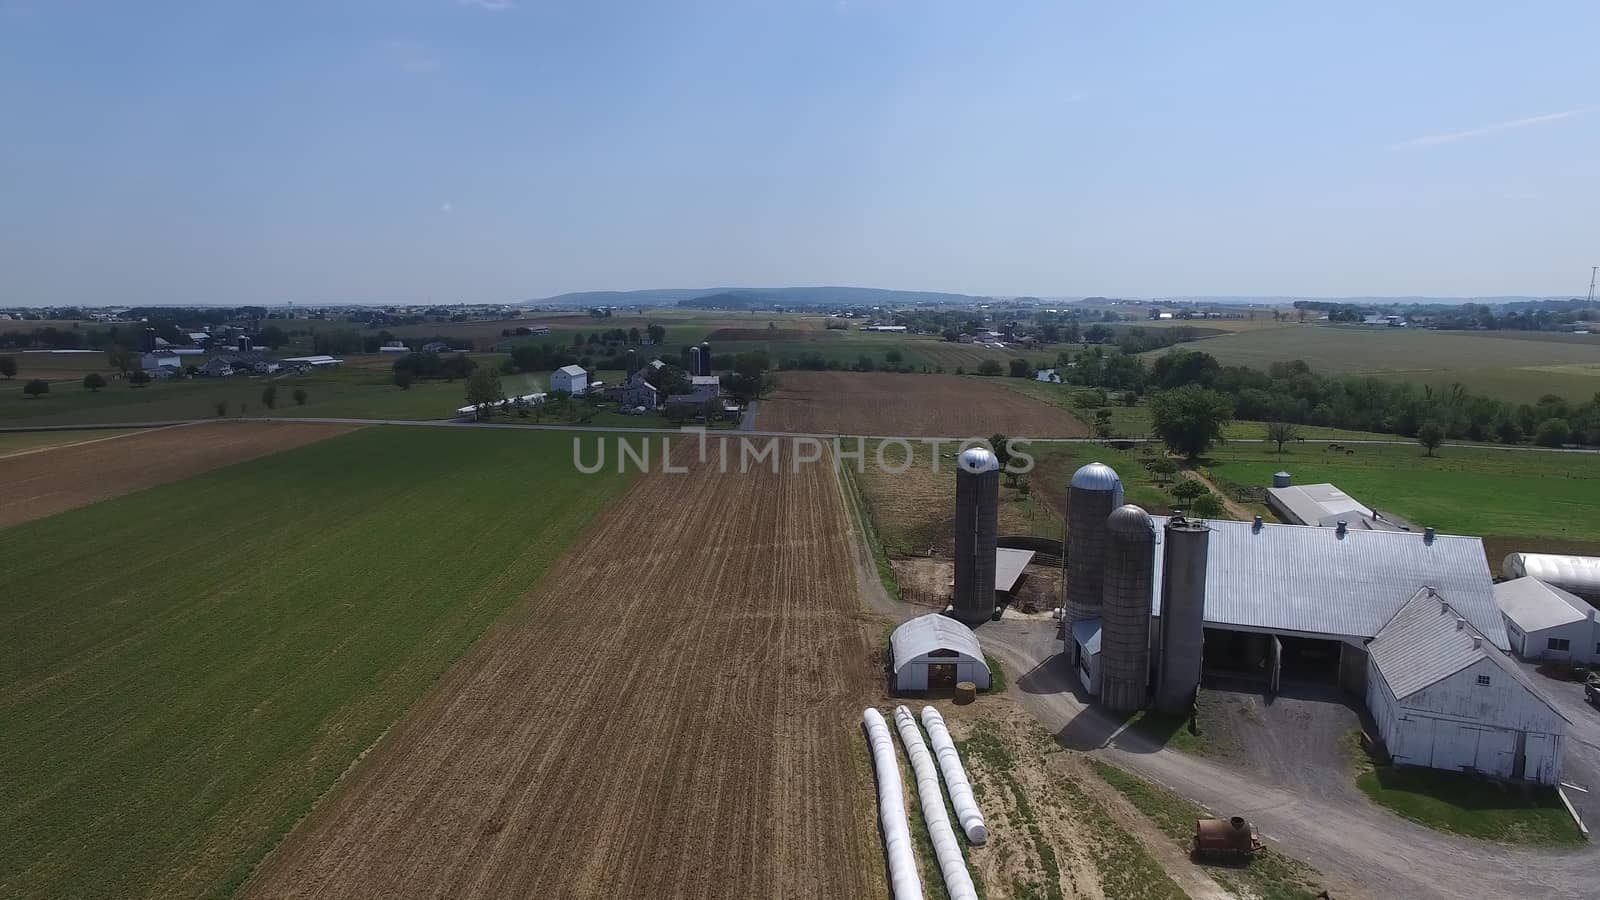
{"x": 1427, "y": 535}
{"x": 1444, "y": 606}
{"x": 1256, "y": 525}
{"x": 1343, "y": 527}
{"x": 1477, "y": 642}
{"x": 1461, "y": 624}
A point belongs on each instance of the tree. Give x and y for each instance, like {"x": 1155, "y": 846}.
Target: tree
{"x": 1206, "y": 506}
{"x": 633, "y": 335}
{"x": 1281, "y": 433}
{"x": 300, "y": 396}
{"x": 94, "y": 381}
{"x": 1552, "y": 433}
{"x": 273, "y": 337}
{"x": 658, "y": 333}
{"x": 483, "y": 388}
{"x": 1020, "y": 368}
{"x": 221, "y": 407}
{"x": 989, "y": 367}
{"x": 36, "y": 387}
{"x": 1189, "y": 490}
{"x": 8, "y": 367}
{"x": 1430, "y": 436}
{"x": 120, "y": 358}
{"x": 893, "y": 357}
{"x": 997, "y": 443}
{"x": 139, "y": 379}
{"x": 269, "y": 396}
{"x": 403, "y": 379}
{"x": 1190, "y": 419}
{"x": 1102, "y": 424}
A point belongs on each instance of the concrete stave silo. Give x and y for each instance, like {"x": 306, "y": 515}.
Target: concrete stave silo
{"x": 977, "y": 533}
{"x": 1183, "y": 606}
{"x": 1094, "y": 492}
{"x": 1125, "y": 608}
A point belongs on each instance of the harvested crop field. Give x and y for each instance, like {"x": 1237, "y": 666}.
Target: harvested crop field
{"x": 771, "y": 334}
{"x": 36, "y": 485}
{"x": 673, "y": 713}
{"x": 875, "y": 403}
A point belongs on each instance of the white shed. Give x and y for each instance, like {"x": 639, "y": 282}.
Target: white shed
{"x": 1086, "y": 632}
{"x": 1443, "y": 696}
{"x": 572, "y": 379}
{"x": 934, "y": 652}
{"x": 1546, "y": 622}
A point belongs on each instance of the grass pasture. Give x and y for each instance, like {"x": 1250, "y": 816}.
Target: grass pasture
{"x": 1511, "y": 365}
{"x": 184, "y": 671}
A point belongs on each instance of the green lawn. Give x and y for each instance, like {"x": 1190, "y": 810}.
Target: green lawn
{"x": 1518, "y": 493}
{"x": 1467, "y": 805}
{"x": 185, "y": 670}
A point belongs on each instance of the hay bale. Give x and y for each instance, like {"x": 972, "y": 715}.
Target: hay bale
{"x": 966, "y": 692}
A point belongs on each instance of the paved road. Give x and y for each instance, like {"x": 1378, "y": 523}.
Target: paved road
{"x": 468, "y": 423}
{"x": 1342, "y": 834}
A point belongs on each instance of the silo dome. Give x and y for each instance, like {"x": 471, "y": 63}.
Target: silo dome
{"x": 979, "y": 459}
{"x": 1096, "y": 477}
{"x": 1130, "y": 519}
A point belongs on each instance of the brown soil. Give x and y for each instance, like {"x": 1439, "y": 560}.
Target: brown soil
{"x": 673, "y": 713}
{"x": 878, "y": 403}
{"x": 36, "y": 485}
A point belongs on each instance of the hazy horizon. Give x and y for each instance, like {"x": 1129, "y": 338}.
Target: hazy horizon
{"x": 498, "y": 151}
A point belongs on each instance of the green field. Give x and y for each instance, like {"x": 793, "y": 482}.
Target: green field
{"x": 1511, "y": 365}
{"x": 184, "y": 671}
{"x": 1508, "y": 493}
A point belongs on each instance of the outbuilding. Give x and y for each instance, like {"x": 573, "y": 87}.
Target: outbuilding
{"x": 572, "y": 379}
{"x": 1445, "y": 697}
{"x": 1546, "y": 622}
{"x": 935, "y": 652}
{"x": 1578, "y": 574}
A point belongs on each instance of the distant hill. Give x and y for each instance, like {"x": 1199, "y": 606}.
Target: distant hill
{"x": 745, "y": 298}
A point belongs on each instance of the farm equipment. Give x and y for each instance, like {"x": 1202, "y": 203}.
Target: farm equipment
{"x": 1232, "y": 838}
{"x": 1591, "y": 688}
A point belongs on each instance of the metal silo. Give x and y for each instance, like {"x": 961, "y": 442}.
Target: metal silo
{"x": 1183, "y": 609}
{"x": 977, "y": 528}
{"x": 1125, "y": 611}
{"x": 1095, "y": 492}
{"x": 693, "y": 360}
{"x": 705, "y": 358}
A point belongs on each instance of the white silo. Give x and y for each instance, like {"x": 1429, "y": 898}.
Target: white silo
{"x": 1125, "y": 609}
{"x": 977, "y": 532}
{"x": 1095, "y": 491}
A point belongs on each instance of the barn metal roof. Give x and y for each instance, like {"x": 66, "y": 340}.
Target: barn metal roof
{"x": 924, "y": 634}
{"x": 1311, "y": 503}
{"x": 1429, "y": 640}
{"x": 1008, "y": 566}
{"x": 1315, "y": 581}
{"x": 1534, "y": 606}
{"x": 573, "y": 370}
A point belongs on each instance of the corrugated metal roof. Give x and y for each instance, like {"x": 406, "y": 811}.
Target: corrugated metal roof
{"x": 1535, "y": 606}
{"x": 1008, "y": 566}
{"x": 1311, "y": 503}
{"x": 1312, "y": 580}
{"x": 925, "y": 634}
{"x": 1429, "y": 640}
{"x": 1087, "y": 633}
{"x": 572, "y": 370}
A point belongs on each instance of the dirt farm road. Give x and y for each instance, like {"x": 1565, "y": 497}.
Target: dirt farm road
{"x": 1354, "y": 842}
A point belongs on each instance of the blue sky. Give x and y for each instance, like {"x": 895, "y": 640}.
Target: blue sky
{"x": 454, "y": 151}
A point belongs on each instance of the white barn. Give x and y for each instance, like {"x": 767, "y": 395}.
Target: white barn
{"x": 572, "y": 379}
{"x": 1445, "y": 697}
{"x": 1546, "y": 622}
{"x": 934, "y": 652}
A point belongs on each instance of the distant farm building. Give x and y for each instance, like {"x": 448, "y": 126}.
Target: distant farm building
{"x": 160, "y": 360}
{"x": 891, "y": 329}
{"x": 1049, "y": 376}
{"x": 321, "y": 361}
{"x": 638, "y": 393}
{"x": 572, "y": 379}
{"x": 394, "y": 347}
{"x": 435, "y": 347}
{"x": 1326, "y": 505}
{"x": 1546, "y": 622}
{"x": 1444, "y": 696}
{"x": 935, "y": 652}
{"x": 1578, "y": 574}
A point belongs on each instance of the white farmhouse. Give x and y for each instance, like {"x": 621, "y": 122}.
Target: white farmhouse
{"x": 1445, "y": 697}
{"x": 572, "y": 379}
{"x": 1546, "y": 622}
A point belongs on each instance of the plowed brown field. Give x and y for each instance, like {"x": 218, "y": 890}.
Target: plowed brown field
{"x": 35, "y": 485}
{"x": 672, "y": 714}
{"x": 877, "y": 403}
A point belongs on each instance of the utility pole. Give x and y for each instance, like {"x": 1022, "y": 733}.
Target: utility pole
{"x": 1593, "y": 270}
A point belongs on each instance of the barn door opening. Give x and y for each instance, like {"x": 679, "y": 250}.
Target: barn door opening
{"x": 941, "y": 676}
{"x": 1519, "y": 762}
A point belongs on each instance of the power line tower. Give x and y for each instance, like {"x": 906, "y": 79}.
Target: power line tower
{"x": 1593, "y": 270}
